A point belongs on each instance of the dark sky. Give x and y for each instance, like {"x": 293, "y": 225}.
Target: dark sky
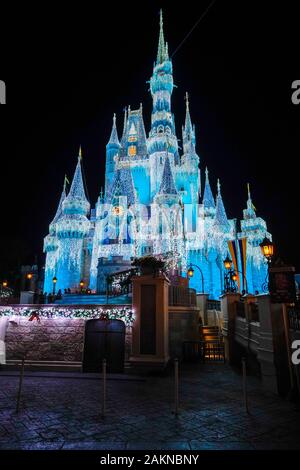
{"x": 68, "y": 71}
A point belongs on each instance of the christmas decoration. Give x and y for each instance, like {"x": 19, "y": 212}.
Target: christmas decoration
{"x": 153, "y": 204}
{"x": 125, "y": 314}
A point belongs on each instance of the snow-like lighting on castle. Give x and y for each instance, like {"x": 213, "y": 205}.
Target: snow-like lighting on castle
{"x": 153, "y": 204}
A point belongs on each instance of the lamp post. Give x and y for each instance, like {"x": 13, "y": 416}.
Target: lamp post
{"x": 81, "y": 285}
{"x": 29, "y": 276}
{"x": 231, "y": 277}
{"x": 54, "y": 281}
{"x": 267, "y": 249}
{"x": 190, "y": 273}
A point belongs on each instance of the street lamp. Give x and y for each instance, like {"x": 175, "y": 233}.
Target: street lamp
{"x": 4, "y": 284}
{"x": 227, "y": 263}
{"x": 81, "y": 285}
{"x": 54, "y": 281}
{"x": 231, "y": 277}
{"x": 267, "y": 249}
{"x": 190, "y": 273}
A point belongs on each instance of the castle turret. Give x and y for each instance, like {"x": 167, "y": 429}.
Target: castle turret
{"x": 51, "y": 244}
{"x": 208, "y": 199}
{"x": 188, "y": 132}
{"x": 254, "y": 229}
{"x": 112, "y": 149}
{"x": 72, "y": 227}
{"x": 221, "y": 223}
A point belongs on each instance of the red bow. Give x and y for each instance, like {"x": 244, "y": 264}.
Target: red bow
{"x": 35, "y": 316}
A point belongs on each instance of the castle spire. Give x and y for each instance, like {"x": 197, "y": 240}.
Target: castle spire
{"x": 76, "y": 201}
{"x": 162, "y": 50}
{"x": 220, "y": 217}
{"x": 250, "y": 211}
{"x": 167, "y": 185}
{"x": 114, "y": 139}
{"x": 188, "y": 134}
{"x": 59, "y": 208}
{"x": 188, "y": 123}
{"x": 208, "y": 199}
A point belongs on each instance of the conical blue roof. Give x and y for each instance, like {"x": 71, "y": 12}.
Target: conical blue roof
{"x": 208, "y": 199}
{"x": 167, "y": 185}
{"x": 76, "y": 201}
{"x": 220, "y": 217}
{"x": 114, "y": 139}
{"x": 59, "y": 209}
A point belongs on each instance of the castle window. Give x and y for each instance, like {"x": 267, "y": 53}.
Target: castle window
{"x": 132, "y": 150}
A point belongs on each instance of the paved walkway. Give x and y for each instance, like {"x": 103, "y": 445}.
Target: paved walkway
{"x": 64, "y": 413}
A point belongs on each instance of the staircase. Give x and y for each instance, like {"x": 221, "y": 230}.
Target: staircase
{"x": 93, "y": 299}
{"x": 210, "y": 333}
{"x": 213, "y": 343}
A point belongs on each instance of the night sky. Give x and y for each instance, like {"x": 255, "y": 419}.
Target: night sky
{"x": 67, "y": 72}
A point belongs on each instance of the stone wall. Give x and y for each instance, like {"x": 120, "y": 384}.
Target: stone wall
{"x": 55, "y": 339}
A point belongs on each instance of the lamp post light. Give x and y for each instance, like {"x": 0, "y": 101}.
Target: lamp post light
{"x": 190, "y": 273}
{"x": 54, "y": 281}
{"x": 29, "y": 277}
{"x": 267, "y": 249}
{"x": 4, "y": 284}
{"x": 81, "y": 285}
{"x": 231, "y": 277}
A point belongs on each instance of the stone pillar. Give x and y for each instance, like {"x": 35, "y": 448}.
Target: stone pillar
{"x": 272, "y": 351}
{"x": 228, "y": 308}
{"x": 150, "y": 335}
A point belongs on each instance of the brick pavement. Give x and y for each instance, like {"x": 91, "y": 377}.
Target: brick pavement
{"x": 65, "y": 413}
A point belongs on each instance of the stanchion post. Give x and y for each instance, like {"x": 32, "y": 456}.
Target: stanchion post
{"x": 104, "y": 388}
{"x": 245, "y": 392}
{"x": 20, "y": 383}
{"x": 176, "y": 387}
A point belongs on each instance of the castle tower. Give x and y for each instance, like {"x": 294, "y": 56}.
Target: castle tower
{"x": 254, "y": 229}
{"x": 72, "y": 228}
{"x": 162, "y": 134}
{"x": 51, "y": 244}
{"x": 112, "y": 149}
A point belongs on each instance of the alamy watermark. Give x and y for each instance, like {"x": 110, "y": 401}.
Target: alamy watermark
{"x": 2, "y": 92}
{"x": 296, "y": 94}
{"x": 296, "y": 353}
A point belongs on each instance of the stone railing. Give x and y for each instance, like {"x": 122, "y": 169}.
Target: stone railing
{"x": 182, "y": 296}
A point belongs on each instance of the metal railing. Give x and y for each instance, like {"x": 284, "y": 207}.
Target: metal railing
{"x": 182, "y": 296}
{"x": 204, "y": 351}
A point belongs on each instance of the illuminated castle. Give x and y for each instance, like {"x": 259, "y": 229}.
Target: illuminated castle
{"x": 153, "y": 204}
